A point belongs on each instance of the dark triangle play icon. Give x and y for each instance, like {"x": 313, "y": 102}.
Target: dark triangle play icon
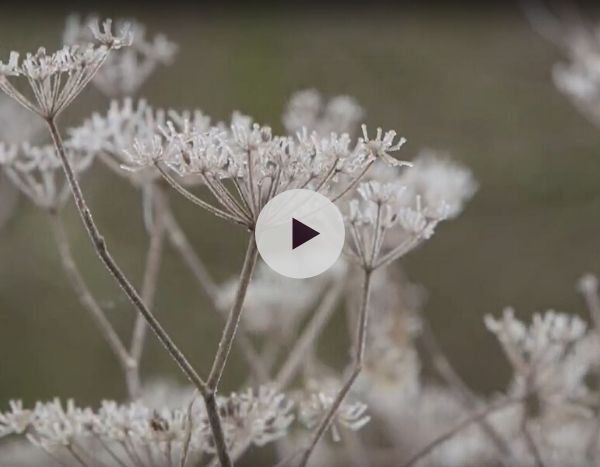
{"x": 301, "y": 233}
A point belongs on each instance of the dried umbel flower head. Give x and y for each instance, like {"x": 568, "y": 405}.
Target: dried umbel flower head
{"x": 306, "y": 109}
{"x": 36, "y": 171}
{"x": 108, "y": 135}
{"x": 127, "y": 69}
{"x": 244, "y": 165}
{"x": 56, "y": 79}
{"x": 120, "y": 432}
{"x": 551, "y": 356}
{"x": 318, "y": 398}
{"x": 382, "y": 212}
{"x": 255, "y": 416}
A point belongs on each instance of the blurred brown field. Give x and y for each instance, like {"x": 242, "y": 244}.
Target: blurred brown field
{"x": 476, "y": 84}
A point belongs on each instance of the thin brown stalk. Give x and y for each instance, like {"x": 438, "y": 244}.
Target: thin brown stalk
{"x": 361, "y": 333}
{"x": 458, "y": 386}
{"x": 101, "y": 248}
{"x": 234, "y": 316}
{"x": 191, "y": 259}
{"x": 451, "y": 432}
{"x": 309, "y": 335}
{"x": 148, "y": 291}
{"x": 84, "y": 294}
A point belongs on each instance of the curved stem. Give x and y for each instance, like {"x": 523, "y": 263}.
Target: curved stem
{"x": 451, "y": 432}
{"x": 148, "y": 292}
{"x": 84, "y": 294}
{"x": 99, "y": 245}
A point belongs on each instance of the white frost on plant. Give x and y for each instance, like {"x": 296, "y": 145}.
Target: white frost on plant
{"x": 126, "y": 70}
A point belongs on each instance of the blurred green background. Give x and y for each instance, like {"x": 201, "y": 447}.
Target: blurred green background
{"x": 475, "y": 83}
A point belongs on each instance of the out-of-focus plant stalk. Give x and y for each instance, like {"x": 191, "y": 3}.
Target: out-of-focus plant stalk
{"x": 361, "y": 333}
{"x": 101, "y": 249}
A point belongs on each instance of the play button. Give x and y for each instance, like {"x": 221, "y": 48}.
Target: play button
{"x": 300, "y": 233}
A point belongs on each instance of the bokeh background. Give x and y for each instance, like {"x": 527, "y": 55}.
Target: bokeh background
{"x": 475, "y": 82}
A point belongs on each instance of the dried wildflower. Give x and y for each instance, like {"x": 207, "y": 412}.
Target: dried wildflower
{"x": 57, "y": 79}
{"x": 37, "y": 172}
{"x": 551, "y": 356}
{"x": 255, "y": 417}
{"x": 126, "y": 70}
{"x": 382, "y": 227}
{"x": 244, "y": 165}
{"x": 383, "y": 144}
{"x": 318, "y": 399}
{"x": 306, "y": 109}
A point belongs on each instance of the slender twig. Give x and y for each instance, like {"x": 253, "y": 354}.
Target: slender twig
{"x": 191, "y": 259}
{"x": 234, "y": 316}
{"x": 148, "y": 291}
{"x": 186, "y": 252}
{"x": 458, "y": 386}
{"x": 101, "y": 248}
{"x": 361, "y": 333}
{"x": 530, "y": 442}
{"x": 197, "y": 201}
{"x": 452, "y": 431}
{"x": 353, "y": 183}
{"x": 309, "y": 335}
{"x": 84, "y": 294}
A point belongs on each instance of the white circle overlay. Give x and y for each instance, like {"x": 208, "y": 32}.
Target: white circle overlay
{"x": 274, "y": 233}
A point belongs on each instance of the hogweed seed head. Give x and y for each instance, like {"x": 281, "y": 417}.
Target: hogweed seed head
{"x": 56, "y": 79}
{"x": 126, "y": 70}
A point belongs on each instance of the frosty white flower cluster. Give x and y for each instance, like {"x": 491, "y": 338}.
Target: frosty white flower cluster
{"x": 137, "y": 434}
{"x": 259, "y": 164}
{"x": 551, "y": 356}
{"x": 351, "y": 415}
{"x": 127, "y": 70}
{"x": 56, "y": 79}
{"x": 36, "y": 171}
{"x": 381, "y": 214}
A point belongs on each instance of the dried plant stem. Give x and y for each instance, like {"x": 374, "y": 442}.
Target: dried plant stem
{"x": 84, "y": 294}
{"x": 186, "y": 252}
{"x": 234, "y": 316}
{"x": 530, "y": 442}
{"x": 309, "y": 335}
{"x": 191, "y": 259}
{"x": 100, "y": 246}
{"x": 458, "y": 386}
{"x": 361, "y": 333}
{"x": 448, "y": 434}
{"x": 148, "y": 291}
